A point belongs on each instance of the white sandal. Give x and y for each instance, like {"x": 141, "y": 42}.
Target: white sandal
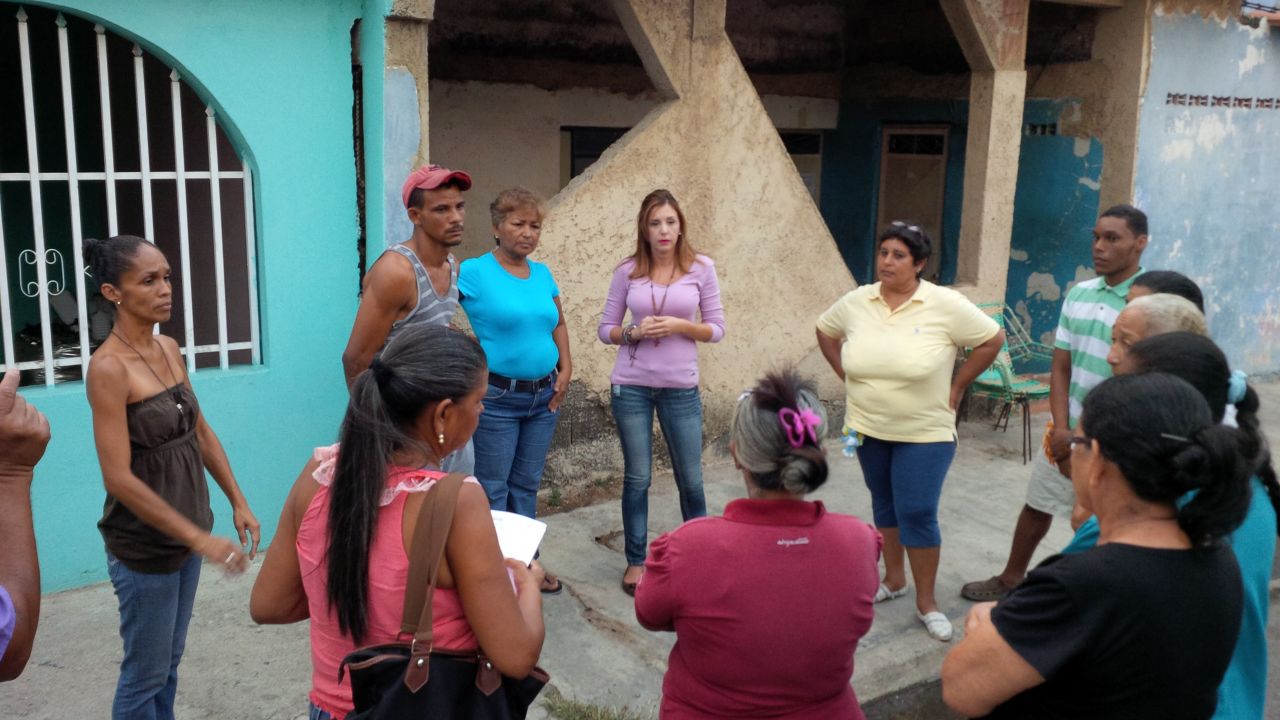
{"x": 884, "y": 593}
{"x": 937, "y": 624}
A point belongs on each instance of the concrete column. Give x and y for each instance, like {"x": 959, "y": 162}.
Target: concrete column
{"x": 993, "y": 36}
{"x": 990, "y": 179}
{"x": 1122, "y": 44}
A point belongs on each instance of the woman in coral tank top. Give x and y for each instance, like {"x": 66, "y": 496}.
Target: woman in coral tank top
{"x": 340, "y": 554}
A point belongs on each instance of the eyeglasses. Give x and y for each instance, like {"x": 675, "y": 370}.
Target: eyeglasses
{"x": 1078, "y": 440}
{"x": 900, "y": 224}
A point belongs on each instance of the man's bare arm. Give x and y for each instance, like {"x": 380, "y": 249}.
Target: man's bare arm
{"x": 390, "y": 293}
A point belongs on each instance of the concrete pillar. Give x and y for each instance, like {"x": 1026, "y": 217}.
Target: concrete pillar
{"x": 1122, "y": 44}
{"x": 990, "y": 180}
{"x": 993, "y": 36}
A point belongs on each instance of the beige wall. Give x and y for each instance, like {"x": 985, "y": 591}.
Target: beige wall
{"x": 707, "y": 136}
{"x": 506, "y": 135}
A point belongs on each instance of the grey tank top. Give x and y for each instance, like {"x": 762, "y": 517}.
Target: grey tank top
{"x": 431, "y": 309}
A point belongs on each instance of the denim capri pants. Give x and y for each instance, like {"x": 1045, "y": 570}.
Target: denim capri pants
{"x": 905, "y": 480}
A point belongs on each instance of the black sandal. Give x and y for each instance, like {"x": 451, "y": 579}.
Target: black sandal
{"x": 630, "y": 587}
{"x": 552, "y": 589}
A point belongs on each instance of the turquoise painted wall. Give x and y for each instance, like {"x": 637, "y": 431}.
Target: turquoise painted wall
{"x": 279, "y": 74}
{"x": 1054, "y": 211}
{"x": 1207, "y": 175}
{"x": 851, "y": 175}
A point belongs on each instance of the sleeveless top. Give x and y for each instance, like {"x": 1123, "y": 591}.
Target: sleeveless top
{"x": 431, "y": 309}
{"x": 166, "y": 456}
{"x": 388, "y": 573}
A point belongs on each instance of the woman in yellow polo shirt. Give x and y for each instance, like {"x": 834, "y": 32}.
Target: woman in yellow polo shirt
{"x": 899, "y": 339}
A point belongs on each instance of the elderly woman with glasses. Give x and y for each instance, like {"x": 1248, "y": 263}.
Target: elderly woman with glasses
{"x": 894, "y": 344}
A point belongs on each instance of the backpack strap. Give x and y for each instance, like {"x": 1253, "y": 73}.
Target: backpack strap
{"x": 435, "y": 519}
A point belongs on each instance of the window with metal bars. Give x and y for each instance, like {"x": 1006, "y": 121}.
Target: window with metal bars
{"x": 100, "y": 138}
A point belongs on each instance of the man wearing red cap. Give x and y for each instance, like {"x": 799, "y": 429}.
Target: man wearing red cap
{"x": 414, "y": 282}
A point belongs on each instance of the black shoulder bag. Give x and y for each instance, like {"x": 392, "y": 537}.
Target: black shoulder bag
{"x": 390, "y": 681}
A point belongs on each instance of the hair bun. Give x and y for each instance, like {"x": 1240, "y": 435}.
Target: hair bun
{"x": 803, "y": 470}
{"x": 1188, "y": 467}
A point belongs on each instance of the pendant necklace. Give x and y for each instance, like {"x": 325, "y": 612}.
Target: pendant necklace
{"x": 657, "y": 307}
{"x": 174, "y": 392}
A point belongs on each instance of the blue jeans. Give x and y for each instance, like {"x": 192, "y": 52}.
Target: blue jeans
{"x": 680, "y": 415}
{"x": 905, "y": 480}
{"x": 154, "y": 613}
{"x": 315, "y": 713}
{"x": 511, "y": 444}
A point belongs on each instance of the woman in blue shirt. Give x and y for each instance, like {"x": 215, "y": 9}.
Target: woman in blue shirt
{"x": 513, "y": 304}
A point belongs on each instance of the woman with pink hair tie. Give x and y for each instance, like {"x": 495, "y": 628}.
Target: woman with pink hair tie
{"x": 768, "y": 602}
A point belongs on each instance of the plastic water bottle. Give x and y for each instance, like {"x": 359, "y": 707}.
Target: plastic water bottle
{"x": 850, "y": 442}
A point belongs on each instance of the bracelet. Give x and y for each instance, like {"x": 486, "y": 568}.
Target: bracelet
{"x": 626, "y": 334}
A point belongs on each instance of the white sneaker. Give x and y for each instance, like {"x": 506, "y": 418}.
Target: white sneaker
{"x": 937, "y": 624}
{"x": 884, "y": 593}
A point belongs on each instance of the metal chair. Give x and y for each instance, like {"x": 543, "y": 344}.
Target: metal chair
{"x": 1003, "y": 384}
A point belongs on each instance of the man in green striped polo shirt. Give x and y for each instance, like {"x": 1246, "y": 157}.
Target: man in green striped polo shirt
{"x": 1079, "y": 363}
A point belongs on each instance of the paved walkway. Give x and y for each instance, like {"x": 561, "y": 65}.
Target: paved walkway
{"x": 594, "y": 650}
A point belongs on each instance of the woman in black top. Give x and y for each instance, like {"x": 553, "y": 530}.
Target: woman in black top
{"x": 1144, "y": 624}
{"x": 154, "y": 446}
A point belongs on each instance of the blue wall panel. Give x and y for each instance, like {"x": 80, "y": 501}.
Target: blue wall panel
{"x": 851, "y": 176}
{"x": 1054, "y": 211}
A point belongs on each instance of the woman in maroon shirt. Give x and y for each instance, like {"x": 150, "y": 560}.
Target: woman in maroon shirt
{"x": 768, "y": 602}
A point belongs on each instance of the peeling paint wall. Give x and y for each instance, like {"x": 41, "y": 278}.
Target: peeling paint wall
{"x": 1209, "y": 149}
{"x": 1053, "y": 216}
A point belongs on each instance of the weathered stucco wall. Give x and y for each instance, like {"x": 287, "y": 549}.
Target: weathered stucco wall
{"x": 505, "y": 135}
{"x": 1207, "y": 158}
{"x": 1110, "y": 87}
{"x": 712, "y": 143}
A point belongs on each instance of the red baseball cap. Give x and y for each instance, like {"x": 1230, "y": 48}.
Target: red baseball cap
{"x": 430, "y": 177}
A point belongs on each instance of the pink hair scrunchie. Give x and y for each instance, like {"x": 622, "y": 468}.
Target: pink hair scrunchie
{"x": 799, "y": 424}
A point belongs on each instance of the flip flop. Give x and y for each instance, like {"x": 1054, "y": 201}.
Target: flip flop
{"x": 551, "y": 589}
{"x": 883, "y": 593}
{"x": 629, "y": 587}
{"x": 937, "y": 624}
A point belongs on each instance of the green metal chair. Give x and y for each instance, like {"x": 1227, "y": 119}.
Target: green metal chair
{"x": 1003, "y": 384}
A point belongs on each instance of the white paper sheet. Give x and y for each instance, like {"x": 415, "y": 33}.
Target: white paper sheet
{"x": 518, "y": 536}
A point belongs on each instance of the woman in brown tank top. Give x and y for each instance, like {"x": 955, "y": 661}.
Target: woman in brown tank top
{"x": 154, "y": 446}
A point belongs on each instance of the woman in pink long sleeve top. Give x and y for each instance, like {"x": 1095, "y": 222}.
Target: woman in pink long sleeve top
{"x": 674, "y": 300}
{"x": 768, "y": 603}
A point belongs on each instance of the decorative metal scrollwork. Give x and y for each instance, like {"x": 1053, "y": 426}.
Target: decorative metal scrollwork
{"x": 54, "y": 262}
